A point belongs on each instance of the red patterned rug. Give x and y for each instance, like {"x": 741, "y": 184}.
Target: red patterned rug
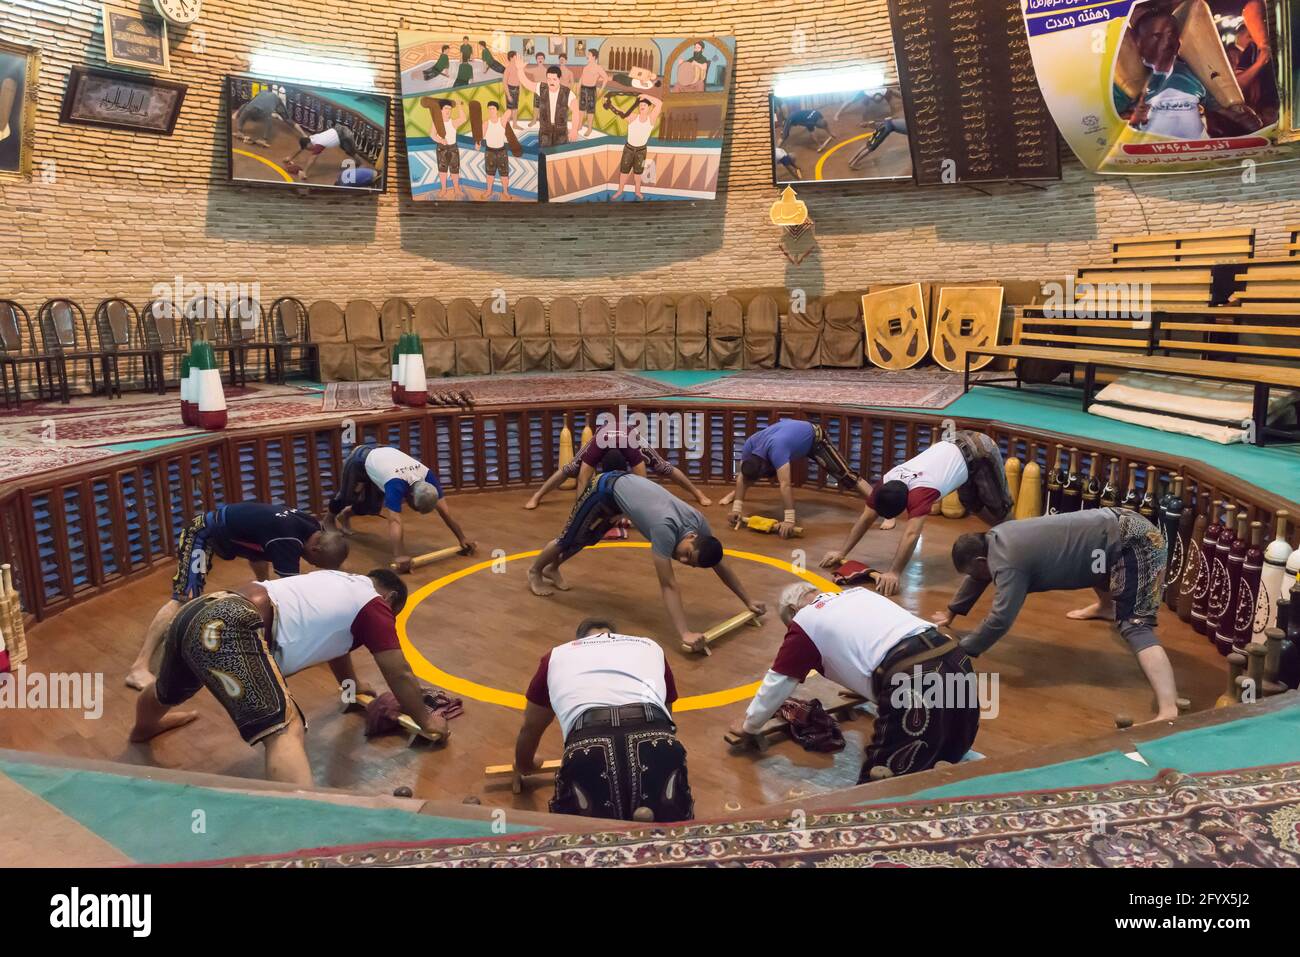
{"x": 88, "y": 421}
{"x": 912, "y": 389}
{"x": 1224, "y": 819}
{"x": 523, "y": 389}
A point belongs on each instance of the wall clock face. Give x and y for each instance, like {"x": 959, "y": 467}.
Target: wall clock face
{"x": 180, "y": 12}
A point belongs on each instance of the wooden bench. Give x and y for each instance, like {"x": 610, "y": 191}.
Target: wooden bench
{"x": 1262, "y": 378}
{"x": 1204, "y": 248}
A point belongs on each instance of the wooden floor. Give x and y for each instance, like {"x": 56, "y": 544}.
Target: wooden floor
{"x": 1059, "y": 681}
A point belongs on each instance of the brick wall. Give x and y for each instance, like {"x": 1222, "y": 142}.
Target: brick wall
{"x": 128, "y": 210}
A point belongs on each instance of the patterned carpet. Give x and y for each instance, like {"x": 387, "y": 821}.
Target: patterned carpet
{"x": 1223, "y": 819}
{"x": 913, "y": 389}
{"x": 525, "y": 388}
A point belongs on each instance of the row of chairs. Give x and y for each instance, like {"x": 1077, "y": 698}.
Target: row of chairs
{"x": 61, "y": 340}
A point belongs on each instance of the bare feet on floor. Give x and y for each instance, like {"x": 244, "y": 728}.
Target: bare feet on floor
{"x": 888, "y": 524}
{"x": 168, "y": 722}
{"x": 1104, "y": 612}
{"x": 532, "y": 502}
{"x": 553, "y": 576}
{"x": 539, "y": 585}
{"x": 139, "y": 678}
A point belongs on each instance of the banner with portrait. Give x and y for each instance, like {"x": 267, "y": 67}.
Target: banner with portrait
{"x": 1162, "y": 86}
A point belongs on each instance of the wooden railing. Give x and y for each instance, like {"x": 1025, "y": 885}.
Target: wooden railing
{"x": 76, "y": 532}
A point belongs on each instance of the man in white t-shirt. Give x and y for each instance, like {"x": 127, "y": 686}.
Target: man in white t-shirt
{"x": 969, "y": 464}
{"x": 870, "y": 645}
{"x": 337, "y": 137}
{"x": 242, "y": 645}
{"x": 495, "y": 147}
{"x": 639, "y": 129}
{"x": 379, "y": 480}
{"x": 613, "y": 695}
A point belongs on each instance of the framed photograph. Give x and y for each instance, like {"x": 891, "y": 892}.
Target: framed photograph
{"x": 132, "y": 40}
{"x": 557, "y": 45}
{"x": 19, "y": 66}
{"x": 121, "y": 101}
{"x": 296, "y": 135}
{"x": 840, "y": 137}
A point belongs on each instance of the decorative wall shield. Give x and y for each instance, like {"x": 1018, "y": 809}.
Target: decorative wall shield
{"x": 966, "y": 317}
{"x": 897, "y": 328}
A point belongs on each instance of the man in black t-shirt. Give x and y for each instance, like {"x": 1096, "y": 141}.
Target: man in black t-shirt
{"x": 268, "y": 536}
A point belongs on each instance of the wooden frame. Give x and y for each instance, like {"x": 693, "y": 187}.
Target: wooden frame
{"x": 166, "y": 485}
{"x": 21, "y": 110}
{"x": 82, "y": 79}
{"x": 118, "y": 41}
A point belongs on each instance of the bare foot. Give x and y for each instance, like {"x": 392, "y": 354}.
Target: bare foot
{"x": 553, "y": 576}
{"x": 139, "y": 678}
{"x": 1095, "y": 610}
{"x": 1158, "y": 718}
{"x": 168, "y": 722}
{"x": 705, "y": 501}
{"x": 539, "y": 585}
{"x": 532, "y": 502}
{"x": 888, "y": 524}
{"x": 727, "y": 499}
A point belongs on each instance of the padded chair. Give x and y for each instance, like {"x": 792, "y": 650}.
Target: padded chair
{"x": 65, "y": 333}
{"x": 164, "y": 337}
{"x": 337, "y": 358}
{"x": 597, "y": 329}
{"x": 504, "y": 348}
{"x": 430, "y": 324}
{"x": 661, "y": 333}
{"x": 19, "y": 346}
{"x": 534, "y": 340}
{"x": 629, "y": 333}
{"x": 843, "y": 334}
{"x": 566, "y": 334}
{"x": 122, "y": 337}
{"x": 466, "y": 330}
{"x": 366, "y": 335}
{"x": 762, "y": 321}
{"x": 801, "y": 337}
{"x": 692, "y": 332}
{"x": 726, "y": 334}
{"x": 290, "y": 332}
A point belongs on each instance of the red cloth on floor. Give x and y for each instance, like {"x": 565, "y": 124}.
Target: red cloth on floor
{"x": 383, "y": 712}
{"x": 812, "y": 726}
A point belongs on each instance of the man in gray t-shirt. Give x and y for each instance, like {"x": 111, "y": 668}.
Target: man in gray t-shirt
{"x": 676, "y": 532}
{"x": 1114, "y": 551}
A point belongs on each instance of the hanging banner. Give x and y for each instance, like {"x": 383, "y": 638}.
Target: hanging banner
{"x": 1160, "y": 86}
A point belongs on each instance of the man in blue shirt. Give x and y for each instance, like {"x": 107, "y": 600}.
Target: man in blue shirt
{"x": 268, "y": 536}
{"x": 769, "y": 452}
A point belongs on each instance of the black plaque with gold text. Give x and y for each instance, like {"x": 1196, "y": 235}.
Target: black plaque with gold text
{"x": 974, "y": 110}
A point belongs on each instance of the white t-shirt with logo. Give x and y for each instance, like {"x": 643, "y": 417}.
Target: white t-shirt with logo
{"x": 941, "y": 467}
{"x": 601, "y": 670}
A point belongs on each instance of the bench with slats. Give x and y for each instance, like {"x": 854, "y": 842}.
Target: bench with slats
{"x": 1263, "y": 378}
{"x": 1203, "y": 248}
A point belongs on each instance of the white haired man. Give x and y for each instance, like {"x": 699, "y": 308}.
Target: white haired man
{"x": 901, "y": 663}
{"x": 378, "y": 480}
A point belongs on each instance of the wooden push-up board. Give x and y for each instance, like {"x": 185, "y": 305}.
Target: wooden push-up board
{"x": 838, "y": 701}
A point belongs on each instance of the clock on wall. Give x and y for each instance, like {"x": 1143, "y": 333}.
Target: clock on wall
{"x": 179, "y": 12}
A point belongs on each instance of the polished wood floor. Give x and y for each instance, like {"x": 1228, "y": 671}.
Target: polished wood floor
{"x": 1059, "y": 681}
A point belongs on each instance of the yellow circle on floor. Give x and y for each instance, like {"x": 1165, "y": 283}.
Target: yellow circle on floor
{"x": 430, "y": 672}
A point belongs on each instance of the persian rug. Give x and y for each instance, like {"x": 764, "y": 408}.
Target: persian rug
{"x": 519, "y": 389}
{"x": 910, "y": 389}
{"x": 29, "y": 461}
{"x": 94, "y": 421}
{"x": 1237, "y": 818}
